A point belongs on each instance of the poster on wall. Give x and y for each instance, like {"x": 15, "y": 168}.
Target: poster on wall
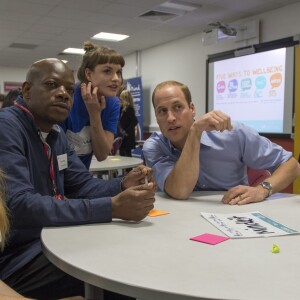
{"x": 134, "y": 86}
{"x": 11, "y": 85}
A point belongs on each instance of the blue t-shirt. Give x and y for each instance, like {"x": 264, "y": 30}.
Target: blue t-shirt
{"x": 77, "y": 125}
{"x": 224, "y": 157}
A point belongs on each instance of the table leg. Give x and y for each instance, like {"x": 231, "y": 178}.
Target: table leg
{"x": 92, "y": 292}
{"x": 110, "y": 174}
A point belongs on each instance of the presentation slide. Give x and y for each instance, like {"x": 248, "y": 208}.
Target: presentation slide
{"x": 251, "y": 89}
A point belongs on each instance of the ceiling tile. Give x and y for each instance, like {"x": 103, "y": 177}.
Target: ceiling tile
{"x": 58, "y": 24}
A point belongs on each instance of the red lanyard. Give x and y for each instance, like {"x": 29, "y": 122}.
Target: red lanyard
{"x": 23, "y": 108}
{"x": 48, "y": 152}
{"x": 49, "y": 155}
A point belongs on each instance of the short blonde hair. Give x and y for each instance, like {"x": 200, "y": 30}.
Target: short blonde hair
{"x": 4, "y": 224}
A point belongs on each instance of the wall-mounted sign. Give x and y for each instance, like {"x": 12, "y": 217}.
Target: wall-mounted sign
{"x": 11, "y": 85}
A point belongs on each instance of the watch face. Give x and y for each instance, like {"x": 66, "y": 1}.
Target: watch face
{"x": 266, "y": 185}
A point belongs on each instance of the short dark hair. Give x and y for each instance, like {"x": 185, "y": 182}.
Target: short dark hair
{"x": 11, "y": 96}
{"x": 183, "y": 87}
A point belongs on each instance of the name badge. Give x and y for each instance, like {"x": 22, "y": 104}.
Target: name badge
{"x": 62, "y": 161}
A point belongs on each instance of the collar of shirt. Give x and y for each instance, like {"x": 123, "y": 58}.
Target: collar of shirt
{"x": 205, "y": 141}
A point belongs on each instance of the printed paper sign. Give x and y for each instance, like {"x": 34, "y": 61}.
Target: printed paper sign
{"x": 247, "y": 225}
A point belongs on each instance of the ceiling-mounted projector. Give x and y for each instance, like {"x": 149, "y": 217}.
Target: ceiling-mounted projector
{"x": 224, "y": 28}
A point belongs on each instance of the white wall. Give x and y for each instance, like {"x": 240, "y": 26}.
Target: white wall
{"x": 185, "y": 59}
{"x": 131, "y": 66}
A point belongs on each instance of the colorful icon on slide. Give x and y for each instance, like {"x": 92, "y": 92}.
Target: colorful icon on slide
{"x": 276, "y": 80}
{"x": 246, "y": 84}
{"x": 260, "y": 82}
{"x": 232, "y": 85}
{"x": 221, "y": 87}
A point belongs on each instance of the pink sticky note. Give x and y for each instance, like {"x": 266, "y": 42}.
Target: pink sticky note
{"x": 208, "y": 238}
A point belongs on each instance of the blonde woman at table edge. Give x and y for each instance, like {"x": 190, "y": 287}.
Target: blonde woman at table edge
{"x": 7, "y": 293}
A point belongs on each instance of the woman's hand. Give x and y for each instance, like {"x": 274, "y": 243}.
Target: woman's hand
{"x": 93, "y": 104}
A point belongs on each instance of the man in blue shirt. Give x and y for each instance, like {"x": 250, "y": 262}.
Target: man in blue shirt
{"x": 210, "y": 153}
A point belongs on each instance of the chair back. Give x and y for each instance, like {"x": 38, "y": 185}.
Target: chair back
{"x": 255, "y": 177}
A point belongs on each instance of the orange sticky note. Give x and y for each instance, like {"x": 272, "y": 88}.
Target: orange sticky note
{"x": 157, "y": 212}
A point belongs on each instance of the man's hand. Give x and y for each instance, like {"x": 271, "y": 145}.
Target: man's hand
{"x": 90, "y": 96}
{"x": 214, "y": 120}
{"x": 135, "y": 203}
{"x": 243, "y": 194}
{"x": 138, "y": 176}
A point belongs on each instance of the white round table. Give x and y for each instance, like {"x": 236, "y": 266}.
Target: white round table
{"x": 155, "y": 259}
{"x": 114, "y": 163}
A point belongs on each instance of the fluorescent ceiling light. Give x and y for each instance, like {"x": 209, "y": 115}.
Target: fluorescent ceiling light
{"x": 64, "y": 61}
{"x": 180, "y": 5}
{"x": 110, "y": 36}
{"x": 74, "y": 51}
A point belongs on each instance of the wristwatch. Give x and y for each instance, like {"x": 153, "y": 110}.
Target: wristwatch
{"x": 268, "y": 186}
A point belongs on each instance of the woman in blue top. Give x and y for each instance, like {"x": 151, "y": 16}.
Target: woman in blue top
{"x": 92, "y": 122}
